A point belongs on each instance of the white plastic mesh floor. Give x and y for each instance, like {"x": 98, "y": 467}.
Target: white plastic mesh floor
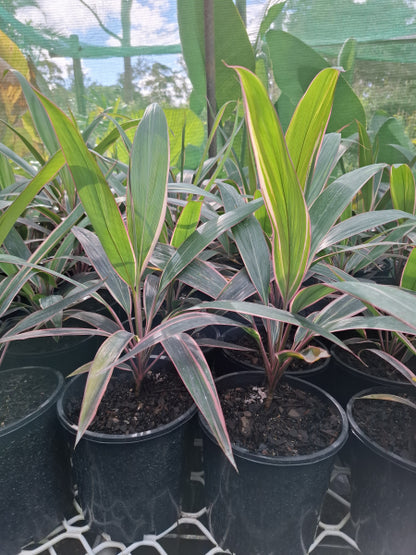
{"x": 190, "y": 536}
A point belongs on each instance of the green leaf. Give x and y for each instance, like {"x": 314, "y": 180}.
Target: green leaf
{"x": 98, "y": 378}
{"x": 201, "y": 238}
{"x": 307, "y": 127}
{"x": 308, "y": 296}
{"x": 332, "y": 202}
{"x": 346, "y": 59}
{"x": 250, "y": 242}
{"x": 390, "y": 299}
{"x": 403, "y": 188}
{"x": 45, "y": 174}
{"x": 232, "y": 45}
{"x": 193, "y": 369}
{"x": 408, "y": 279}
{"x": 187, "y": 222}
{"x": 295, "y": 65}
{"x": 279, "y": 185}
{"x": 328, "y": 157}
{"x": 99, "y": 261}
{"x": 147, "y": 185}
{"x": 403, "y": 369}
{"x": 94, "y": 193}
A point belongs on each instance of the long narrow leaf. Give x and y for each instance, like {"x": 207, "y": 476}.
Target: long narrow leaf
{"x": 45, "y": 174}
{"x": 193, "y": 369}
{"x": 98, "y": 379}
{"x": 279, "y": 185}
{"x": 307, "y": 126}
{"x": 147, "y": 184}
{"x": 403, "y": 188}
{"x": 94, "y": 193}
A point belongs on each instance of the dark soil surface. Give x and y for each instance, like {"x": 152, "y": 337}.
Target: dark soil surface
{"x": 372, "y": 364}
{"x": 21, "y": 394}
{"x": 297, "y": 423}
{"x": 390, "y": 424}
{"x": 162, "y": 399}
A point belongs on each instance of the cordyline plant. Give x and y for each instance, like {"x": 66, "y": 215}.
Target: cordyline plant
{"x": 300, "y": 219}
{"x": 119, "y": 249}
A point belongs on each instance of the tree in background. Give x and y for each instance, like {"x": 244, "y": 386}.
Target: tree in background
{"x": 124, "y": 40}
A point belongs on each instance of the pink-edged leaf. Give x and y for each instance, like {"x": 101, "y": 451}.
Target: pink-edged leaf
{"x": 397, "y": 364}
{"x": 146, "y": 198}
{"x": 389, "y": 397}
{"x": 281, "y": 191}
{"x": 98, "y": 377}
{"x": 193, "y": 369}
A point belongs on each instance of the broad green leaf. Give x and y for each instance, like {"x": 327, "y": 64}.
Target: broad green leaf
{"x": 187, "y": 222}
{"x": 279, "y": 185}
{"x": 403, "y": 188}
{"x": 307, "y": 126}
{"x": 295, "y": 65}
{"x": 6, "y": 173}
{"x": 98, "y": 379}
{"x": 232, "y": 45}
{"x": 390, "y": 134}
{"x": 45, "y": 174}
{"x": 94, "y": 193}
{"x": 408, "y": 279}
{"x": 250, "y": 242}
{"x": 332, "y": 202}
{"x": 147, "y": 185}
{"x": 193, "y": 369}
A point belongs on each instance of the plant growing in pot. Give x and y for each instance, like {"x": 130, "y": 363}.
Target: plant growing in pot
{"x": 272, "y": 504}
{"x": 120, "y": 251}
{"x": 382, "y": 457}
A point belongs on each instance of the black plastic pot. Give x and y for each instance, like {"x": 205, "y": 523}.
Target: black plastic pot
{"x": 128, "y": 485}
{"x": 272, "y": 505}
{"x": 35, "y": 490}
{"x": 346, "y": 379}
{"x": 383, "y": 491}
{"x": 227, "y": 362}
{"x": 64, "y": 355}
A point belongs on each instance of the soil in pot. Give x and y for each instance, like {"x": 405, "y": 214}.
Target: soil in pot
{"x": 381, "y": 454}
{"x": 130, "y": 465}
{"x": 35, "y": 485}
{"x": 284, "y": 459}
{"x": 349, "y": 375}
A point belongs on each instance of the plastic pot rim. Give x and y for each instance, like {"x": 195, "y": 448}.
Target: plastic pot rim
{"x": 296, "y": 460}
{"x": 116, "y": 439}
{"x": 43, "y": 407}
{"x": 359, "y": 433}
{"x": 335, "y": 353}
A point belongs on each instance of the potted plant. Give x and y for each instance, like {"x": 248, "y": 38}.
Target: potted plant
{"x": 119, "y": 249}
{"x": 270, "y": 506}
{"x": 382, "y": 457}
{"x": 34, "y": 483}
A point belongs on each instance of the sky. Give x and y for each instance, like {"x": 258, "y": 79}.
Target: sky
{"x": 153, "y": 23}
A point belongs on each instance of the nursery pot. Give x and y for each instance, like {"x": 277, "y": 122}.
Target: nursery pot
{"x": 35, "y": 488}
{"x": 272, "y": 505}
{"x": 132, "y": 484}
{"x": 346, "y": 378}
{"x": 383, "y": 489}
{"x": 64, "y": 355}
{"x": 227, "y": 362}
